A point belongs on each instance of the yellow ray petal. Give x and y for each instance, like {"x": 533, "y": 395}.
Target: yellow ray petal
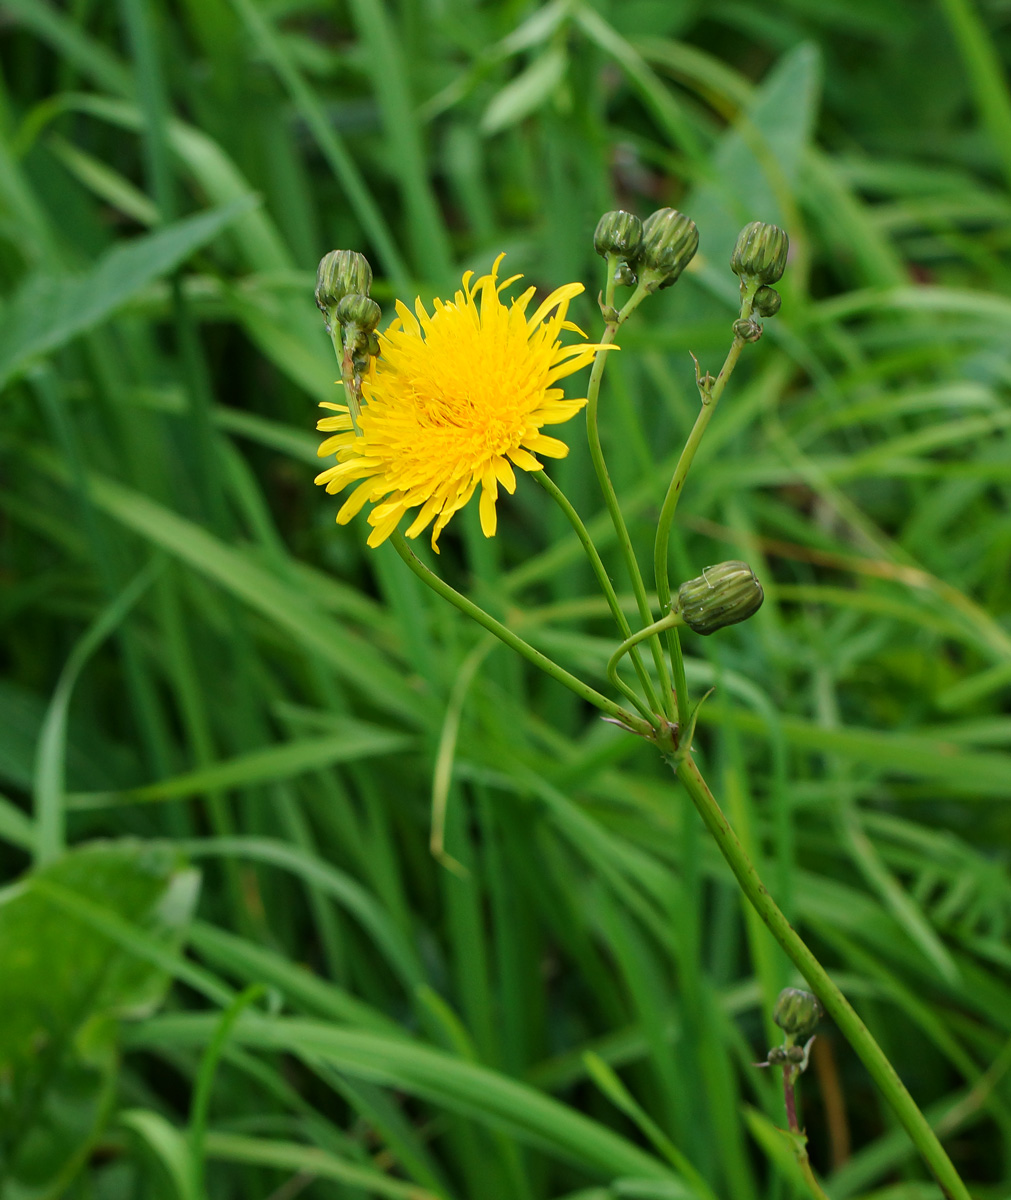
{"x": 550, "y": 446}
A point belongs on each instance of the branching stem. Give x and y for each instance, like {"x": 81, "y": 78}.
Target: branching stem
{"x": 614, "y": 322}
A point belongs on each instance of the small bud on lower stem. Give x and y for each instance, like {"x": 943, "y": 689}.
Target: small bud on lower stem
{"x": 747, "y": 329}
{"x": 767, "y": 301}
{"x": 360, "y": 311}
{"x": 797, "y": 1012}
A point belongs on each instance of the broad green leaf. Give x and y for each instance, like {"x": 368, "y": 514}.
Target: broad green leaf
{"x": 758, "y": 161}
{"x": 64, "y": 987}
{"x": 56, "y": 971}
{"x": 66, "y": 1115}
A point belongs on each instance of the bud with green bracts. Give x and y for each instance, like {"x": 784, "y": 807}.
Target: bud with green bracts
{"x": 722, "y": 595}
{"x": 760, "y": 253}
{"x": 340, "y": 273}
{"x": 669, "y": 242}
{"x": 362, "y": 312}
{"x": 618, "y": 233}
{"x": 797, "y": 1012}
{"x": 767, "y": 301}
{"x": 747, "y": 329}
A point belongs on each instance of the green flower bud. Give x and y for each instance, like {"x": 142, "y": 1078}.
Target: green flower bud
{"x": 767, "y": 301}
{"x": 669, "y": 242}
{"x": 797, "y": 1012}
{"x": 747, "y": 329}
{"x": 361, "y": 311}
{"x": 618, "y": 233}
{"x": 760, "y": 252}
{"x": 722, "y": 595}
{"x": 339, "y": 273}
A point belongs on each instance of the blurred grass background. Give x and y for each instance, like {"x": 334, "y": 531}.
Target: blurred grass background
{"x": 202, "y": 672}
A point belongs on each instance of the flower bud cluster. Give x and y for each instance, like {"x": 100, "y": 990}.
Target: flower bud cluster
{"x": 654, "y": 251}
{"x": 343, "y": 280}
{"x": 759, "y": 258}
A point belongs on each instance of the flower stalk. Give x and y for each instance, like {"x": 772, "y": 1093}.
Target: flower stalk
{"x": 710, "y": 391}
{"x": 414, "y": 413}
{"x": 607, "y": 587}
{"x": 613, "y": 322}
{"x": 438, "y": 585}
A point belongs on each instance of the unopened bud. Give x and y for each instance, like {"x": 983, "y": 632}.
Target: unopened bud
{"x": 669, "y": 242}
{"x": 722, "y": 595}
{"x": 747, "y": 329}
{"x": 361, "y": 311}
{"x": 340, "y": 273}
{"x": 767, "y": 301}
{"x": 624, "y": 276}
{"x": 618, "y": 233}
{"x": 760, "y": 252}
{"x": 797, "y": 1012}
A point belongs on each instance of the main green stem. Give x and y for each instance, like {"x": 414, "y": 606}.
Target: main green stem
{"x": 610, "y": 498}
{"x": 514, "y": 642}
{"x": 836, "y": 1004}
{"x": 710, "y": 392}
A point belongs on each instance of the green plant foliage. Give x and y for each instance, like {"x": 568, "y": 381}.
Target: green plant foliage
{"x": 65, "y": 988}
{"x": 500, "y": 957}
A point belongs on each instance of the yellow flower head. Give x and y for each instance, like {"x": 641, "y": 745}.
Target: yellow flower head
{"x": 455, "y": 399}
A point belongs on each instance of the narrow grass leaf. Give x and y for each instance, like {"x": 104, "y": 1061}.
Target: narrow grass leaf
{"x": 169, "y": 1147}
{"x": 305, "y": 1160}
{"x": 531, "y": 89}
{"x": 338, "y": 884}
{"x": 48, "y": 311}
{"x": 261, "y": 766}
{"x": 238, "y": 573}
{"x": 462, "y": 1087}
{"x": 50, "y": 758}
